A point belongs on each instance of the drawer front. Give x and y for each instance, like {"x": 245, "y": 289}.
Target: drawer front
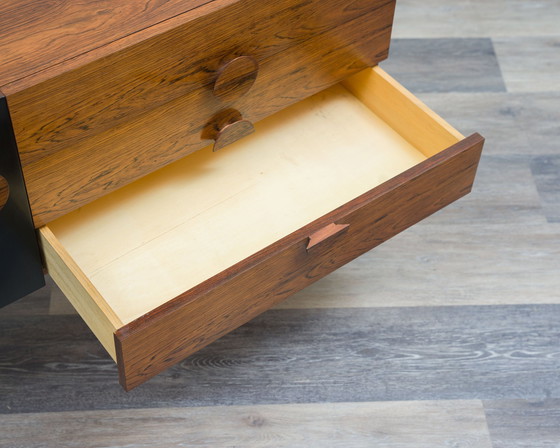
{"x": 60, "y": 113}
{"x": 61, "y": 178}
{"x": 184, "y": 325}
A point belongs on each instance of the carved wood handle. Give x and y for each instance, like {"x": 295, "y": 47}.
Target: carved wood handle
{"x": 325, "y": 233}
{"x": 235, "y": 78}
{"x": 226, "y": 128}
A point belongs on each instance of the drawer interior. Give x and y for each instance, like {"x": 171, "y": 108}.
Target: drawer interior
{"x": 124, "y": 255}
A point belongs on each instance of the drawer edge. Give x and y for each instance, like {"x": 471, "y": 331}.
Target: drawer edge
{"x": 173, "y": 331}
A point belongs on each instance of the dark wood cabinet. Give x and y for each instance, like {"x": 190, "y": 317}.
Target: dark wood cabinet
{"x": 163, "y": 245}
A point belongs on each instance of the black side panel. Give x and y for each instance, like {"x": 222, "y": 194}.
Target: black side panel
{"x": 21, "y": 270}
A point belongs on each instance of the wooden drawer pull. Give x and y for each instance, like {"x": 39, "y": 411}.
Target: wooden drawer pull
{"x": 236, "y": 78}
{"x": 226, "y": 128}
{"x": 233, "y": 132}
{"x": 4, "y": 192}
{"x": 326, "y": 233}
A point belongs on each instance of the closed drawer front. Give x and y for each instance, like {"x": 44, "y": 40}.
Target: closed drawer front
{"x": 170, "y": 263}
{"x": 78, "y": 132}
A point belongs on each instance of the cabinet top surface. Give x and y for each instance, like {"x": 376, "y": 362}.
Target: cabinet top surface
{"x": 36, "y": 35}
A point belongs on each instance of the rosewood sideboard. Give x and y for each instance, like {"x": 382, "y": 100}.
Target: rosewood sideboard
{"x": 180, "y": 167}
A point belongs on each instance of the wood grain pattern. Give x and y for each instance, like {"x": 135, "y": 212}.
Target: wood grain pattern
{"x": 426, "y": 424}
{"x": 73, "y": 176}
{"x": 327, "y": 232}
{"x": 121, "y": 86}
{"x": 235, "y": 78}
{"x": 233, "y": 132}
{"x": 184, "y": 325}
{"x": 492, "y": 18}
{"x": 539, "y": 76}
{"x": 546, "y": 174}
{"x": 35, "y": 36}
{"x": 440, "y": 65}
{"x": 524, "y": 423}
{"x": 115, "y": 283}
{"x": 53, "y": 363}
{"x": 498, "y": 233}
{"x": 427, "y": 266}
{"x": 226, "y": 128}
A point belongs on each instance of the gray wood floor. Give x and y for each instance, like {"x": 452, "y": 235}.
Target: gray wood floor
{"x": 447, "y": 335}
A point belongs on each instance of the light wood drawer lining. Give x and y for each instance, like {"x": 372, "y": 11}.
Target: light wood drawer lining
{"x": 195, "y": 218}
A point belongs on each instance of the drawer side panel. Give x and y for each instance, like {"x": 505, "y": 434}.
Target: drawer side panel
{"x": 87, "y": 301}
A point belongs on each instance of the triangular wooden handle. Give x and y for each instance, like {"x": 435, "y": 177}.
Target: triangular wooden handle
{"x": 325, "y": 233}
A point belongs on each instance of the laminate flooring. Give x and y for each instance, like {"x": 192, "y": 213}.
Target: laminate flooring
{"x": 448, "y": 335}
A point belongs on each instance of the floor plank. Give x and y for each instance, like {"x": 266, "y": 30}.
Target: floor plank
{"x": 504, "y": 192}
{"x": 447, "y": 265}
{"x": 513, "y": 124}
{"x": 494, "y": 115}
{"x": 435, "y": 18}
{"x": 53, "y": 363}
{"x": 530, "y": 64}
{"x": 445, "y": 65}
{"x": 428, "y": 424}
{"x": 426, "y": 315}
{"x": 546, "y": 171}
{"x": 476, "y": 18}
{"x": 539, "y": 119}
{"x": 523, "y": 423}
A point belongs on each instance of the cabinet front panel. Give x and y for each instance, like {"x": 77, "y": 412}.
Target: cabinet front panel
{"x": 75, "y": 166}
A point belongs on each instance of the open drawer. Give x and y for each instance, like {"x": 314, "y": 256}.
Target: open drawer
{"x": 168, "y": 264}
